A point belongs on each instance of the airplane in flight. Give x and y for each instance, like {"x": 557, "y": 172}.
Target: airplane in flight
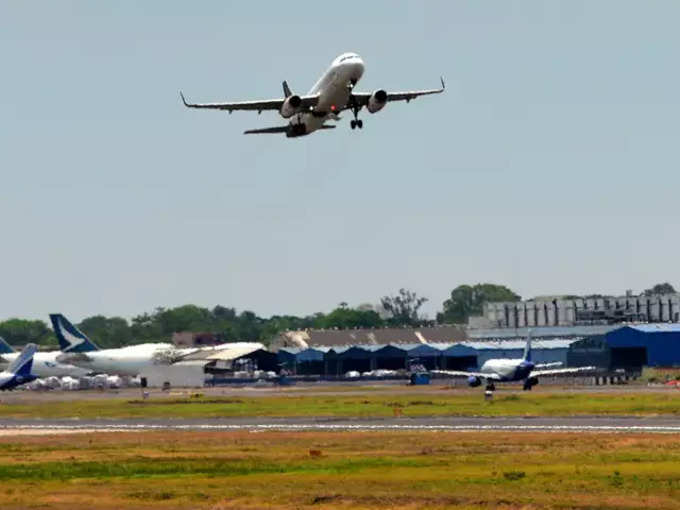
{"x": 19, "y": 371}
{"x": 513, "y": 370}
{"x": 45, "y": 364}
{"x": 332, "y": 94}
{"x": 79, "y": 350}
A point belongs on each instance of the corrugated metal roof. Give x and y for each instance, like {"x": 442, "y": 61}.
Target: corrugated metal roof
{"x": 520, "y": 344}
{"x": 225, "y": 352}
{"x": 541, "y": 331}
{"x": 661, "y": 327}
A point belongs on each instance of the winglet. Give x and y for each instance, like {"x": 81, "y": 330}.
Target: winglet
{"x": 183, "y": 100}
{"x": 441, "y": 78}
{"x": 286, "y": 89}
{"x": 5, "y": 348}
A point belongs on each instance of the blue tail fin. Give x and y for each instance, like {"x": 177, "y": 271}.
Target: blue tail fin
{"x": 71, "y": 339}
{"x": 527, "y": 348}
{"x": 5, "y": 348}
{"x": 24, "y": 362}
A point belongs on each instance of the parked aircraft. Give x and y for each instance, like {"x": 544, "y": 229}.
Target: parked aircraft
{"x": 5, "y": 348}
{"x": 45, "y": 364}
{"x": 19, "y": 371}
{"x": 512, "y": 370}
{"x": 332, "y": 94}
{"x": 79, "y": 350}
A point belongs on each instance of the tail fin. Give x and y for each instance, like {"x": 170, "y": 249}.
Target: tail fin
{"x": 527, "y": 348}
{"x": 71, "y": 339}
{"x": 24, "y": 362}
{"x": 5, "y": 348}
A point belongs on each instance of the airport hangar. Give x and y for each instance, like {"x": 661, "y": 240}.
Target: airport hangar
{"x": 333, "y": 353}
{"x": 629, "y": 347}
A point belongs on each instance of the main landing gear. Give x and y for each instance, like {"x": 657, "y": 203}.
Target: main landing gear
{"x": 356, "y": 123}
{"x": 491, "y": 387}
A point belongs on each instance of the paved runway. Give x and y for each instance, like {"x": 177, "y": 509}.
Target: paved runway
{"x": 518, "y": 424}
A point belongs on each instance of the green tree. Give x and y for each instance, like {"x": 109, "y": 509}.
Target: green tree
{"x": 107, "y": 331}
{"x": 403, "y": 308}
{"x": 19, "y": 332}
{"x": 467, "y": 300}
{"x": 660, "y": 288}
{"x": 346, "y": 318}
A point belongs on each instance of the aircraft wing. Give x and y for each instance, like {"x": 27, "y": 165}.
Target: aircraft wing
{"x": 561, "y": 371}
{"x": 259, "y": 106}
{"x": 554, "y": 364}
{"x": 362, "y": 98}
{"x": 461, "y": 373}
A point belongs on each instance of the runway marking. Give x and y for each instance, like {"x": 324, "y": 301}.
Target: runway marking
{"x": 6, "y": 430}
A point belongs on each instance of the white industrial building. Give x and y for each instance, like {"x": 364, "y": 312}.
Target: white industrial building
{"x": 560, "y": 311}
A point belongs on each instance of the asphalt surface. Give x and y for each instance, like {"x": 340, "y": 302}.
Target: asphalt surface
{"x": 519, "y": 424}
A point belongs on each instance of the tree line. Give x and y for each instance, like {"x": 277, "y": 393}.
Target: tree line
{"x": 402, "y": 309}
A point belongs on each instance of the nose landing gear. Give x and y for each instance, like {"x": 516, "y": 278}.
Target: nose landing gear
{"x": 356, "y": 124}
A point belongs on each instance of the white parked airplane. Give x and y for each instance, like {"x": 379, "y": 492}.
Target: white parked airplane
{"x": 45, "y": 364}
{"x": 19, "y": 371}
{"x": 332, "y": 94}
{"x": 513, "y": 370}
{"x": 79, "y": 350}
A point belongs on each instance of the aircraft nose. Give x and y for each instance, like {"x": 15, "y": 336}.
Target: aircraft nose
{"x": 357, "y": 68}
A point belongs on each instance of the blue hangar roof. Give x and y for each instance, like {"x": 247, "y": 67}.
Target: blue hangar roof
{"x": 656, "y": 328}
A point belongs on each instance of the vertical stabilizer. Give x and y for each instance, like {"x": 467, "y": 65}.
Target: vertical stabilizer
{"x": 24, "y": 362}
{"x": 71, "y": 339}
{"x": 5, "y": 348}
{"x": 527, "y": 348}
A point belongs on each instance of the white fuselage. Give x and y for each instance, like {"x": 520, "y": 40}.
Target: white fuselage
{"x": 507, "y": 369}
{"x": 333, "y": 89}
{"x": 45, "y": 364}
{"x": 131, "y": 360}
{"x": 5, "y": 377}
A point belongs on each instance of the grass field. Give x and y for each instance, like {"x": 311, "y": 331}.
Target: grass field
{"x": 322, "y": 470}
{"x": 371, "y": 404}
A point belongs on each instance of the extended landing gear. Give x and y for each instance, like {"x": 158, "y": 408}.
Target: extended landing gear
{"x": 356, "y": 123}
{"x": 530, "y": 383}
{"x": 491, "y": 387}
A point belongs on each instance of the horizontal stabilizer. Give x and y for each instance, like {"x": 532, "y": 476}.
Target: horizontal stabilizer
{"x": 278, "y": 129}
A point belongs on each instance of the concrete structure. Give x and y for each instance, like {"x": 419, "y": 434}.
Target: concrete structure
{"x": 559, "y": 311}
{"x": 185, "y": 374}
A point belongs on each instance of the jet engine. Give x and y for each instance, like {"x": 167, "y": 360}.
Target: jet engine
{"x": 377, "y": 101}
{"x": 474, "y": 381}
{"x": 290, "y": 106}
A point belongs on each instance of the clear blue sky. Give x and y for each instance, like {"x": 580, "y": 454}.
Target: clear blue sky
{"x": 550, "y": 164}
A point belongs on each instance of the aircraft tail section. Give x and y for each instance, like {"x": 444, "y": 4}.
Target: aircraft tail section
{"x": 71, "y": 339}
{"x": 527, "y": 348}
{"x": 22, "y": 365}
{"x": 5, "y": 348}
